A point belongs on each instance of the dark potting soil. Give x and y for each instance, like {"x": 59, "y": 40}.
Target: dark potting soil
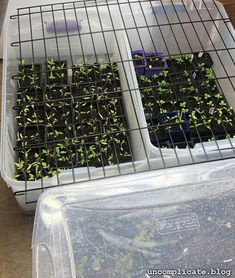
{"x": 182, "y": 92}
{"x": 178, "y": 79}
{"x": 30, "y": 115}
{"x": 70, "y": 136}
{"x": 32, "y": 160}
{"x": 223, "y": 128}
{"x": 107, "y": 74}
{"x": 24, "y": 97}
{"x": 30, "y": 75}
{"x": 167, "y": 95}
{"x": 94, "y": 156}
{"x": 203, "y": 58}
{"x": 157, "y": 131}
{"x": 155, "y": 62}
{"x": 58, "y": 92}
{"x": 59, "y": 114}
{"x": 85, "y": 111}
{"x": 110, "y": 108}
{"x": 116, "y": 126}
{"x": 175, "y": 67}
{"x": 162, "y": 76}
{"x": 109, "y": 88}
{"x": 29, "y": 95}
{"x": 180, "y": 64}
{"x": 59, "y": 133}
{"x": 58, "y": 75}
{"x": 30, "y": 135}
{"x": 90, "y": 129}
{"x": 189, "y": 87}
{"x": 85, "y": 91}
{"x": 138, "y": 60}
{"x": 172, "y": 127}
{"x": 118, "y": 151}
{"x": 168, "y": 106}
{"x": 61, "y": 156}
{"x": 83, "y": 73}
{"x": 151, "y": 112}
{"x": 200, "y": 131}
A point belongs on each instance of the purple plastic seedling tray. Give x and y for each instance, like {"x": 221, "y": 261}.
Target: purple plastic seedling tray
{"x": 139, "y": 69}
{"x": 154, "y": 70}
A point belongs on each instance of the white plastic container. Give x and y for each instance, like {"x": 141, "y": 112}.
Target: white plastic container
{"x": 181, "y": 218}
{"x": 179, "y": 38}
{"x": 119, "y": 44}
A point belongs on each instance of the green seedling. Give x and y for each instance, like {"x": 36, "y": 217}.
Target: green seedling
{"x": 137, "y": 56}
{"x": 186, "y": 74}
{"x": 164, "y": 73}
{"x": 192, "y": 89}
{"x": 222, "y": 103}
{"x": 179, "y": 60}
{"x": 161, "y": 102}
{"x": 183, "y": 106}
{"x": 209, "y": 73}
{"x": 193, "y": 117}
{"x": 162, "y": 84}
{"x": 212, "y": 139}
{"x": 188, "y": 57}
{"x": 55, "y": 133}
{"x": 149, "y": 106}
{"x": 207, "y": 96}
{"x": 218, "y": 96}
{"x": 201, "y": 66}
{"x": 147, "y": 91}
{"x": 153, "y": 60}
{"x": 228, "y": 136}
{"x": 198, "y": 99}
{"x": 145, "y": 79}
{"x": 55, "y": 71}
{"x": 162, "y": 90}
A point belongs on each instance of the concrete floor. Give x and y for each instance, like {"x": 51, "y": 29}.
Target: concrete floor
{"x": 15, "y": 234}
{"x": 15, "y": 237}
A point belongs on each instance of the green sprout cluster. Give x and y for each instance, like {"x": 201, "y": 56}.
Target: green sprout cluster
{"x": 80, "y": 124}
{"x": 55, "y": 70}
{"x": 190, "y": 96}
{"x": 28, "y": 74}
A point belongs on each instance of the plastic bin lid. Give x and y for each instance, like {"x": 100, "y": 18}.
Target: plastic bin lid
{"x": 132, "y": 227}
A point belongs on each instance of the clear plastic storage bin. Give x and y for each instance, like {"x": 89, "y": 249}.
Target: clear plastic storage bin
{"x": 132, "y": 226}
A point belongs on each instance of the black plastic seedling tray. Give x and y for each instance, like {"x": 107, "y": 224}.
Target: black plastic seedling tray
{"x": 71, "y": 125}
{"x": 184, "y": 102}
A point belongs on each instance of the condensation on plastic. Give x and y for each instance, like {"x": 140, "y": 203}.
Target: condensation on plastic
{"x": 121, "y": 227}
{"x": 141, "y": 143}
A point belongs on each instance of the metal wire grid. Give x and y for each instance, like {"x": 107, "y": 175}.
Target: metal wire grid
{"x": 172, "y": 25}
